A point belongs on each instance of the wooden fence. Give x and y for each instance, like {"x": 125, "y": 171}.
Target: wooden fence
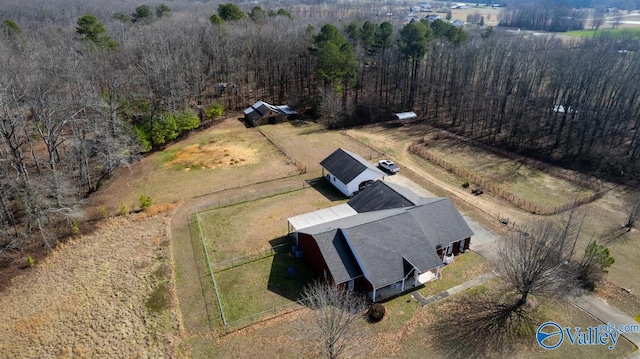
{"x": 418, "y": 147}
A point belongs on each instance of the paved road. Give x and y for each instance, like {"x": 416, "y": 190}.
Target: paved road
{"x": 608, "y": 315}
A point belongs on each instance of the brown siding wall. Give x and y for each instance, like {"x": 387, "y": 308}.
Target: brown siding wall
{"x": 467, "y": 244}
{"x": 456, "y": 247}
{"x": 362, "y": 285}
{"x": 312, "y": 255}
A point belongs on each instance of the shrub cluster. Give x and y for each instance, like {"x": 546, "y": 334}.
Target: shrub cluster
{"x": 376, "y": 312}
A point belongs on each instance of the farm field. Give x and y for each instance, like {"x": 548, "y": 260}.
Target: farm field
{"x": 626, "y": 33}
{"x": 106, "y": 294}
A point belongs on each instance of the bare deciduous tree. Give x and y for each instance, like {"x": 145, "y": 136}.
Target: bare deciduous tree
{"x": 483, "y": 323}
{"x": 598, "y": 18}
{"x": 335, "y": 315}
{"x": 616, "y": 20}
{"x": 634, "y": 213}
{"x": 534, "y": 258}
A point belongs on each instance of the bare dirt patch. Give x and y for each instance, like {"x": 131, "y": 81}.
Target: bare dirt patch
{"x": 102, "y": 295}
{"x": 212, "y": 155}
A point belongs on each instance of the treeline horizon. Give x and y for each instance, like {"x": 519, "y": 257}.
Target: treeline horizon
{"x": 78, "y": 104}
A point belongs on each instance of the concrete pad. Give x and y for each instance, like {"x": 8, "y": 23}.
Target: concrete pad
{"x": 405, "y": 182}
{"x": 481, "y": 234}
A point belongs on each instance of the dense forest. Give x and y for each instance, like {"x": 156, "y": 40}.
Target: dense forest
{"x": 86, "y": 89}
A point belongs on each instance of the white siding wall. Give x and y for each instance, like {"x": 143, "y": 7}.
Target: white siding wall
{"x": 339, "y": 185}
{"x": 366, "y": 175}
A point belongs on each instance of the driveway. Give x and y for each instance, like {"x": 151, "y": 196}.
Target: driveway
{"x": 405, "y": 182}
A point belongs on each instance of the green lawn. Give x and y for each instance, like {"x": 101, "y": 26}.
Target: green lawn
{"x": 263, "y": 285}
{"x": 239, "y": 236}
{"x": 617, "y": 34}
{"x": 465, "y": 267}
{"x": 252, "y": 226}
{"x": 423, "y": 330}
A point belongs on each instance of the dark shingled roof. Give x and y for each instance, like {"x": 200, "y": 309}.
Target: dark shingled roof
{"x": 385, "y": 241}
{"x": 345, "y": 165}
{"x": 441, "y": 222}
{"x": 257, "y": 110}
{"x": 338, "y": 256}
{"x": 386, "y": 195}
{"x": 382, "y": 247}
{"x": 379, "y": 195}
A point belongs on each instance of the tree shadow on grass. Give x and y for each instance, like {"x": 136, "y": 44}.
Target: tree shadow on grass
{"x": 322, "y": 185}
{"x": 288, "y": 274}
{"x": 615, "y": 234}
{"x": 484, "y": 325}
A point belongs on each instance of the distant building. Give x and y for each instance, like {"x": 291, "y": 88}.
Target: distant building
{"x": 432, "y": 18}
{"x": 262, "y": 113}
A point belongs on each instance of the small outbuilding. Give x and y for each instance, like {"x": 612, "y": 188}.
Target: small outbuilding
{"x": 262, "y": 113}
{"x": 348, "y": 172}
{"x": 405, "y": 115}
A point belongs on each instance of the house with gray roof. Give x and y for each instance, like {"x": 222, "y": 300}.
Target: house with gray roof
{"x": 384, "y": 248}
{"x": 262, "y": 113}
{"x": 348, "y": 172}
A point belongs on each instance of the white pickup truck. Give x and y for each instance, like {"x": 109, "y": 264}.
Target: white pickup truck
{"x": 388, "y": 166}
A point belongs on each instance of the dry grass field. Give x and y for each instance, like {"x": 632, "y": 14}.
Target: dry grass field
{"x": 108, "y": 294}
{"x": 514, "y": 176}
{"x": 309, "y": 143}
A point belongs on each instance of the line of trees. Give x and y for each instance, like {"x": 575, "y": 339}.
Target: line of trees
{"x": 80, "y": 100}
{"x": 538, "y": 16}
